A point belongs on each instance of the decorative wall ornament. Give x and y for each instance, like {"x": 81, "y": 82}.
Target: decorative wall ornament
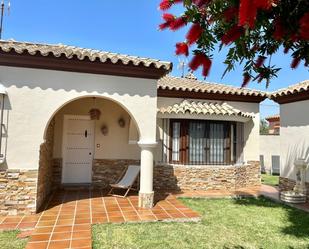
{"x": 104, "y": 130}
{"x": 122, "y": 122}
{"x": 94, "y": 113}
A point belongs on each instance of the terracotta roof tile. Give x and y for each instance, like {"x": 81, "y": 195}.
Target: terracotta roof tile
{"x": 192, "y": 85}
{"x": 204, "y": 108}
{"x": 300, "y": 87}
{"x": 58, "y": 50}
{"x": 277, "y": 116}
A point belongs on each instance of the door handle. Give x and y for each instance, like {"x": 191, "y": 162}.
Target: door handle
{"x": 90, "y": 153}
{"x": 86, "y": 133}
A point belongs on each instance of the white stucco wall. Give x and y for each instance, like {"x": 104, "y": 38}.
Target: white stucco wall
{"x": 294, "y": 132}
{"x": 269, "y": 148}
{"x": 113, "y": 145}
{"x": 34, "y": 96}
{"x": 251, "y": 126}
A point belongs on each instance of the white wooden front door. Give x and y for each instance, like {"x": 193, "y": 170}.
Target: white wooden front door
{"x": 78, "y": 147}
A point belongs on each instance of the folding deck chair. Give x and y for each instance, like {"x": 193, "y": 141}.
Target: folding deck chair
{"x": 126, "y": 181}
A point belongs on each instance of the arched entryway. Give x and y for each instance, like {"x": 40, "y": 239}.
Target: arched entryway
{"x": 81, "y": 151}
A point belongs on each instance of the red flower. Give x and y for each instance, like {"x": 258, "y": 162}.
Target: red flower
{"x": 295, "y": 62}
{"x": 200, "y": 60}
{"x": 194, "y": 33}
{"x": 182, "y": 48}
{"x": 230, "y": 13}
{"x": 260, "y": 61}
{"x": 247, "y": 13}
{"x": 178, "y": 23}
{"x": 232, "y": 35}
{"x": 200, "y": 3}
{"x": 304, "y": 27}
{"x": 167, "y": 4}
{"x": 263, "y": 4}
{"x": 246, "y": 80}
{"x": 279, "y": 29}
{"x": 169, "y": 18}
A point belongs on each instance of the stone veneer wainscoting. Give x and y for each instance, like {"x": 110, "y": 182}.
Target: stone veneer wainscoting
{"x": 45, "y": 175}
{"x": 18, "y": 190}
{"x": 106, "y": 171}
{"x": 181, "y": 177}
{"x": 286, "y": 184}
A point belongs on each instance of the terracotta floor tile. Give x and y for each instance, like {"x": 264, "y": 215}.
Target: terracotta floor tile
{"x": 116, "y": 219}
{"x": 62, "y": 229}
{"x": 24, "y": 225}
{"x": 99, "y": 220}
{"x": 98, "y": 214}
{"x": 48, "y": 218}
{"x": 132, "y": 218}
{"x": 37, "y": 245}
{"x": 65, "y": 222}
{"x": 60, "y": 236}
{"x": 82, "y": 234}
{"x": 82, "y": 221}
{"x": 30, "y": 219}
{"x": 12, "y": 220}
{"x": 62, "y": 244}
{"x": 125, "y": 213}
{"x": 39, "y": 237}
{"x": 39, "y": 230}
{"x": 82, "y": 227}
{"x": 79, "y": 243}
{"x": 148, "y": 217}
{"x": 8, "y": 226}
{"x": 45, "y": 223}
{"x": 114, "y": 213}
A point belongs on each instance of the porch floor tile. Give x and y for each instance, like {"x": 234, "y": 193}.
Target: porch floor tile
{"x": 67, "y": 219}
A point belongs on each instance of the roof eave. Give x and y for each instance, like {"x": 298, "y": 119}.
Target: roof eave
{"x": 73, "y": 64}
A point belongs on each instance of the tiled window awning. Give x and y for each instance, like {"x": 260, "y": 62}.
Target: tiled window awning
{"x": 204, "y": 108}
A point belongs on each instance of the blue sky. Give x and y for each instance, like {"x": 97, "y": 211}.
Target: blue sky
{"x": 126, "y": 27}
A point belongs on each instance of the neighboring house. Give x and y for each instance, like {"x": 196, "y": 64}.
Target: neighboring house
{"x": 274, "y": 124}
{"x": 185, "y": 134}
{"x": 270, "y": 146}
{"x": 294, "y": 130}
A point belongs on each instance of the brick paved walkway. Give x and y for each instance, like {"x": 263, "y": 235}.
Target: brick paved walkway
{"x": 67, "y": 219}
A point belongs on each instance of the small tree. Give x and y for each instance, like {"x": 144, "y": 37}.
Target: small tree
{"x": 254, "y": 30}
{"x": 264, "y": 127}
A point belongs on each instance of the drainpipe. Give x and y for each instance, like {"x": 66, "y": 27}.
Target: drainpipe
{"x": 3, "y": 93}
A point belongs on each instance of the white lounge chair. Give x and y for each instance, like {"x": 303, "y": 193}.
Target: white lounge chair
{"x": 126, "y": 180}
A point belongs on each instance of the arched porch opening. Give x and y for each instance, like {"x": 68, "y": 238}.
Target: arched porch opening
{"x": 66, "y": 160}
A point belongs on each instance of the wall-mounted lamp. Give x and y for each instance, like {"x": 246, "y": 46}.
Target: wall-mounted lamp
{"x": 104, "y": 130}
{"x": 122, "y": 122}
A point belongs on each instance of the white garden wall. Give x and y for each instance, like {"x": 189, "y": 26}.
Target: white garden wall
{"x": 294, "y": 134}
{"x": 269, "y": 152}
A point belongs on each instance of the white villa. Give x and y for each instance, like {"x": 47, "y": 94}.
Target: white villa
{"x": 185, "y": 134}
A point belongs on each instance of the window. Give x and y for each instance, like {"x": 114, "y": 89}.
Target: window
{"x": 202, "y": 142}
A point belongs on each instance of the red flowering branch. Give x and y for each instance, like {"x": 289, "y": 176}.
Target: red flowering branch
{"x": 253, "y": 30}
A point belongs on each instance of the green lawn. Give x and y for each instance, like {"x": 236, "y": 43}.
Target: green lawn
{"x": 226, "y": 223}
{"x": 8, "y": 240}
{"x": 270, "y": 180}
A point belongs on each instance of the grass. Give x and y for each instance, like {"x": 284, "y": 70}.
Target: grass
{"x": 226, "y": 223}
{"x": 8, "y": 240}
{"x": 271, "y": 180}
